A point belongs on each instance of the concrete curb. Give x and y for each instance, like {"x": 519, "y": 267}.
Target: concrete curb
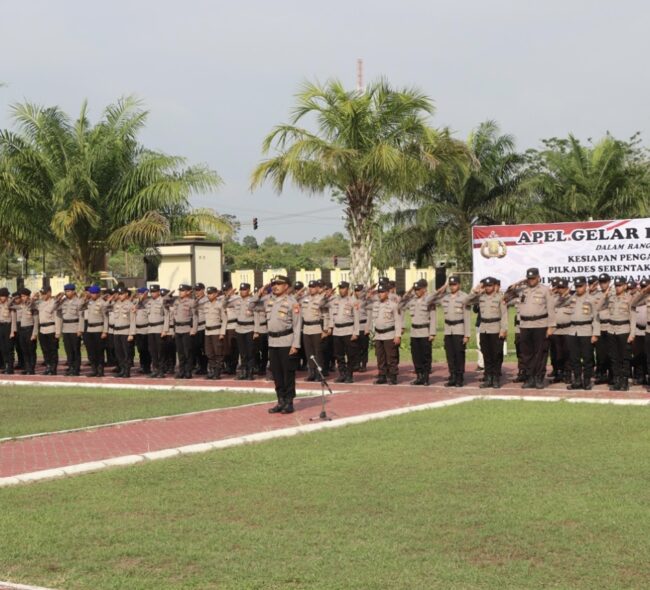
{"x": 12, "y": 586}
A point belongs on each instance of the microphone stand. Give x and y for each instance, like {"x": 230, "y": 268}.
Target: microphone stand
{"x": 323, "y": 384}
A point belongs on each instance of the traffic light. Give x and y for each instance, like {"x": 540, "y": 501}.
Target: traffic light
{"x": 254, "y": 222}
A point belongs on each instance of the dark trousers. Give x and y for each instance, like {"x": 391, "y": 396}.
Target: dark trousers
{"x": 639, "y": 356}
{"x": 142, "y": 344}
{"x": 28, "y": 346}
{"x": 246, "y": 347}
{"x": 72, "y": 345}
{"x": 492, "y": 349}
{"x": 122, "y": 351}
{"x": 455, "y": 351}
{"x": 520, "y": 364}
{"x": 421, "y": 355}
{"x": 283, "y": 369}
{"x": 647, "y": 353}
{"x": 603, "y": 358}
{"x": 262, "y": 353}
{"x": 327, "y": 350}
{"x": 620, "y": 352}
{"x": 561, "y": 362}
{"x": 184, "y": 353}
{"x": 581, "y": 354}
{"x": 154, "y": 346}
{"x": 387, "y": 357}
{"x": 313, "y": 348}
{"x": 6, "y": 346}
{"x": 214, "y": 352}
{"x": 345, "y": 351}
{"x": 168, "y": 353}
{"x": 363, "y": 344}
{"x": 230, "y": 351}
{"x": 95, "y": 348}
{"x": 534, "y": 350}
{"x": 18, "y": 347}
{"x": 111, "y": 359}
{"x": 50, "y": 347}
{"x": 200, "y": 360}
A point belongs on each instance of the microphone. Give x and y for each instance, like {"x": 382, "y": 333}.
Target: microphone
{"x": 313, "y": 360}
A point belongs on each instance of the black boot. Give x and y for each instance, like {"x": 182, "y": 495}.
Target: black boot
{"x": 311, "y": 377}
{"x": 624, "y": 384}
{"x": 341, "y": 377}
{"x": 529, "y": 383}
{"x": 348, "y": 377}
{"x": 487, "y": 382}
{"x": 419, "y": 378}
{"x": 250, "y": 375}
{"x": 392, "y": 380}
{"x": 381, "y": 380}
{"x": 277, "y": 408}
{"x": 520, "y": 378}
{"x": 93, "y": 371}
{"x": 539, "y": 383}
{"x": 451, "y": 382}
{"x": 288, "y": 408}
{"x": 576, "y": 383}
{"x": 425, "y": 378}
{"x": 460, "y": 379}
{"x": 496, "y": 382}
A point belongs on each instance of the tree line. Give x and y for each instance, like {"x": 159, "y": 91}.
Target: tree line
{"x": 76, "y": 192}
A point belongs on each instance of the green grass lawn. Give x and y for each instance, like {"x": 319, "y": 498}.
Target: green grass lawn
{"x": 483, "y": 495}
{"x": 28, "y": 410}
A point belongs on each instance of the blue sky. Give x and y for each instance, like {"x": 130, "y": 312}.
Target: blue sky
{"x": 217, "y": 76}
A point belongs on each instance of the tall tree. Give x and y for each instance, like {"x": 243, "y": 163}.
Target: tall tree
{"x": 86, "y": 189}
{"x": 606, "y": 180}
{"x": 441, "y": 215}
{"x": 367, "y": 148}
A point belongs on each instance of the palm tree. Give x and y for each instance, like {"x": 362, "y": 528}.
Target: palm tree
{"x": 367, "y": 148}
{"x": 441, "y": 215}
{"x": 85, "y": 190}
{"x": 607, "y": 180}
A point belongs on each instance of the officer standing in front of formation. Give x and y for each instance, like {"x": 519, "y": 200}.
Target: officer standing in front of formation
{"x": 493, "y": 328}
{"x": 245, "y": 330}
{"x": 49, "y": 329}
{"x": 185, "y": 320}
{"x": 582, "y": 333}
{"x": 157, "y": 329}
{"x": 214, "y": 313}
{"x": 344, "y": 328}
{"x": 537, "y": 316}
{"x": 421, "y": 309}
{"x": 28, "y": 330}
{"x": 123, "y": 329}
{"x": 457, "y": 328}
{"x": 641, "y": 303}
{"x": 70, "y": 311}
{"x": 312, "y": 304}
{"x": 95, "y": 310}
{"x": 386, "y": 323}
{"x": 284, "y": 324}
{"x": 142, "y": 330}
{"x": 622, "y": 328}
{"x": 8, "y": 329}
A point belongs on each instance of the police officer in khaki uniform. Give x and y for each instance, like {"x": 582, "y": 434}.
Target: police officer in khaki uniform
{"x": 622, "y": 327}
{"x": 386, "y": 323}
{"x": 142, "y": 330}
{"x": 344, "y": 327}
{"x": 312, "y": 304}
{"x": 214, "y": 313}
{"x": 199, "y": 360}
{"x": 157, "y": 329}
{"x": 245, "y": 331}
{"x": 28, "y": 330}
{"x": 70, "y": 312}
{"x": 185, "y": 321}
{"x": 582, "y": 333}
{"x": 8, "y": 329}
{"x": 284, "y": 324}
{"x": 562, "y": 366}
{"x": 641, "y": 303}
{"x": 363, "y": 343}
{"x": 231, "y": 352}
{"x": 603, "y": 359}
{"x": 639, "y": 361}
{"x": 49, "y": 329}
{"x": 537, "y": 323}
{"x": 421, "y": 308}
{"x": 457, "y": 328}
{"x": 96, "y": 329}
{"x": 123, "y": 329}
{"x": 493, "y": 329}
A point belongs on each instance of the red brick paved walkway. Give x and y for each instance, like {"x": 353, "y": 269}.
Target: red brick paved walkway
{"x": 64, "y": 449}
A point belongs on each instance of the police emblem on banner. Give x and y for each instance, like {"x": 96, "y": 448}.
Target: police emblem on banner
{"x": 493, "y": 247}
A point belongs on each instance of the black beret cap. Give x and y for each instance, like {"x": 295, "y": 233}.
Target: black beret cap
{"x": 24, "y": 291}
{"x": 488, "y": 281}
{"x": 121, "y": 290}
{"x": 421, "y": 284}
{"x": 154, "y": 288}
{"x": 532, "y": 272}
{"x": 618, "y": 281}
{"x": 244, "y": 286}
{"x": 358, "y": 287}
{"x": 562, "y": 284}
{"x": 326, "y": 284}
{"x": 313, "y": 283}
{"x": 454, "y": 280}
{"x": 184, "y": 287}
{"x": 592, "y": 279}
{"x": 199, "y": 287}
{"x": 281, "y": 279}
{"x": 211, "y": 290}
{"x": 344, "y": 285}
{"x": 383, "y": 288}
{"x": 4, "y": 292}
{"x": 227, "y": 285}
{"x": 579, "y": 281}
{"x": 604, "y": 278}
{"x": 644, "y": 283}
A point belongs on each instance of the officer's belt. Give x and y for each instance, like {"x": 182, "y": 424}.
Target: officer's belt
{"x": 182, "y": 323}
{"x": 455, "y": 322}
{"x": 263, "y": 324}
{"x": 490, "y": 320}
{"x": 362, "y": 321}
{"x": 533, "y": 318}
{"x": 71, "y": 321}
{"x": 124, "y": 327}
{"x": 152, "y": 324}
{"x": 560, "y": 326}
{"x": 641, "y": 327}
{"x": 619, "y": 322}
{"x": 312, "y": 323}
{"x": 111, "y": 326}
{"x": 213, "y": 327}
{"x": 245, "y": 323}
{"x": 142, "y": 325}
{"x": 605, "y": 321}
{"x": 517, "y": 321}
{"x": 232, "y": 321}
{"x": 580, "y": 323}
{"x": 280, "y": 334}
{"x": 202, "y": 323}
{"x": 420, "y": 326}
{"x": 346, "y": 325}
{"x": 384, "y": 330}
{"x": 6, "y": 323}
{"x": 46, "y": 324}
{"x": 95, "y": 325}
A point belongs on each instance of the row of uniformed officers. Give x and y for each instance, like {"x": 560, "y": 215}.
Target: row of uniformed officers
{"x": 213, "y": 331}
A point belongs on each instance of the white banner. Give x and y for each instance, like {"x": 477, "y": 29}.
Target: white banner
{"x": 567, "y": 250}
